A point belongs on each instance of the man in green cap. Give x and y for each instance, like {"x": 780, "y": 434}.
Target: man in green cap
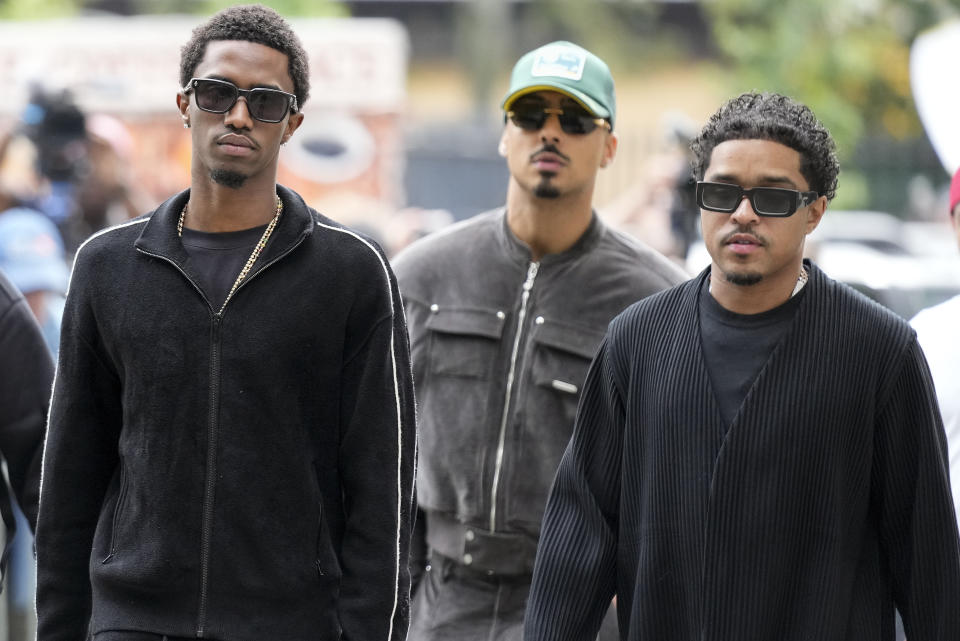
{"x": 505, "y": 311}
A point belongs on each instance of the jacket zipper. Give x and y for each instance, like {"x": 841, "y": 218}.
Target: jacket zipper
{"x": 212, "y": 428}
{"x": 213, "y": 434}
{"x": 511, "y": 375}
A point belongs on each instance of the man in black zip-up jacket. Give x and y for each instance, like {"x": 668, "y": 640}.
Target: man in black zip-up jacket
{"x": 758, "y": 453}
{"x": 506, "y": 310}
{"x": 231, "y": 442}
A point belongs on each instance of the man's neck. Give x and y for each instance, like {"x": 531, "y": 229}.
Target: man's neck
{"x": 757, "y": 298}
{"x": 545, "y": 225}
{"x": 215, "y": 208}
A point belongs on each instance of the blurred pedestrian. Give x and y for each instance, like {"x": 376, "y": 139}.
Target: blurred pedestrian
{"x": 938, "y": 333}
{"x": 31, "y": 255}
{"x": 108, "y": 193}
{"x": 56, "y": 127}
{"x": 231, "y": 438}
{"x": 758, "y": 452}
{"x": 506, "y": 309}
{"x": 26, "y": 373}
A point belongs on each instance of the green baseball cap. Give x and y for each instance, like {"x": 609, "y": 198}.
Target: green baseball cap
{"x": 570, "y": 69}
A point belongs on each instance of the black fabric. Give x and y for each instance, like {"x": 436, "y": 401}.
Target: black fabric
{"x": 736, "y": 346}
{"x": 453, "y": 602}
{"x": 217, "y": 258}
{"x": 456, "y": 603}
{"x": 239, "y": 476}
{"x": 127, "y": 635}
{"x": 822, "y": 507}
{"x": 26, "y": 373}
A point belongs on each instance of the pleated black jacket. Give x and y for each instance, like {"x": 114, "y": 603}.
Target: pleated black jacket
{"x": 822, "y": 506}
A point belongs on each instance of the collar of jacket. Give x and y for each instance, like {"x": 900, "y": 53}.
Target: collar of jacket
{"x": 159, "y": 235}
{"x": 520, "y": 253}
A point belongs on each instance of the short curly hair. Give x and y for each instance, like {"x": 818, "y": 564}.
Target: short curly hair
{"x": 252, "y": 23}
{"x": 775, "y": 117}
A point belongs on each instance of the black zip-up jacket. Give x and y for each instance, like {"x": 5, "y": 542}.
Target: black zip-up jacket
{"x": 26, "y": 372}
{"x": 501, "y": 345}
{"x": 239, "y": 476}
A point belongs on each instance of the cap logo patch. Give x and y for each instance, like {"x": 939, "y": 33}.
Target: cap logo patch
{"x": 560, "y": 62}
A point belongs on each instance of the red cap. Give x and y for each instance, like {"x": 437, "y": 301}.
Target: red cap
{"x": 955, "y": 192}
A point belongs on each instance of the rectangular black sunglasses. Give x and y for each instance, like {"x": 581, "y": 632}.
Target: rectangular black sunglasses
{"x": 219, "y": 96}
{"x": 572, "y": 120}
{"x": 766, "y": 201}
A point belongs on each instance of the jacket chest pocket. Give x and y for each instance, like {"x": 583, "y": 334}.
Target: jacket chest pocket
{"x": 561, "y": 357}
{"x": 464, "y": 342}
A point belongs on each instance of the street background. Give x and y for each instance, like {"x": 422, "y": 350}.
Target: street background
{"x": 401, "y": 129}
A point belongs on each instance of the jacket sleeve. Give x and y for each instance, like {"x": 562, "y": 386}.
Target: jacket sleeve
{"x": 79, "y": 461}
{"x": 918, "y": 529}
{"x": 376, "y": 462}
{"x": 574, "y": 576}
{"x": 26, "y": 375}
{"x": 419, "y": 550}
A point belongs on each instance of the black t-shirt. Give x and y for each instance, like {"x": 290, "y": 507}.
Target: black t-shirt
{"x": 218, "y": 257}
{"x": 737, "y": 346}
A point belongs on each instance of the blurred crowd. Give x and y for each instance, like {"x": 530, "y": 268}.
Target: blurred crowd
{"x": 64, "y": 175}
{"x": 70, "y": 166}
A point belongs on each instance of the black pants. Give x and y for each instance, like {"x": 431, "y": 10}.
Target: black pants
{"x": 456, "y": 603}
{"x": 126, "y": 635}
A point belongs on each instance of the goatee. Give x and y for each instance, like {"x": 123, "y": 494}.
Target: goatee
{"x": 227, "y": 178}
{"x": 545, "y": 189}
{"x": 748, "y": 278}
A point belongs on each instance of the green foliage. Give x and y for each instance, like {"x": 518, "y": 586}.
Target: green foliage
{"x": 37, "y": 9}
{"x": 847, "y": 59}
{"x": 621, "y": 33}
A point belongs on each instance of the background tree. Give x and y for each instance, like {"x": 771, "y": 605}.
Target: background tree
{"x": 849, "y": 61}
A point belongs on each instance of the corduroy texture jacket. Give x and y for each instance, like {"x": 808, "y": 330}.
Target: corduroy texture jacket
{"x": 238, "y": 476}
{"x": 501, "y": 346}
{"x": 825, "y": 503}
{"x": 26, "y": 373}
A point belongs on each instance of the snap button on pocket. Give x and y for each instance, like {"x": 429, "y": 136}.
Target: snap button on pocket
{"x": 464, "y": 342}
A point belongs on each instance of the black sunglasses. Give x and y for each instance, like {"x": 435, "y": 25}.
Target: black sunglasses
{"x": 219, "y": 97}
{"x": 766, "y": 201}
{"x": 572, "y": 120}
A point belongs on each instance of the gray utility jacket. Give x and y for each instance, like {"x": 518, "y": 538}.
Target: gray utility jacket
{"x": 501, "y": 346}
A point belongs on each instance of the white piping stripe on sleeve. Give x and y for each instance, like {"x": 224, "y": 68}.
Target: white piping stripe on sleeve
{"x": 56, "y": 370}
{"x": 396, "y": 393}
{"x": 96, "y": 235}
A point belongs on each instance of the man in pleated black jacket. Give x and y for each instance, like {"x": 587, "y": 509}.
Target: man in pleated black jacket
{"x": 758, "y": 453}
{"x": 231, "y": 439}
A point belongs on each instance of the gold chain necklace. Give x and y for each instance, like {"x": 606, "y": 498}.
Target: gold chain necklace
{"x": 253, "y": 255}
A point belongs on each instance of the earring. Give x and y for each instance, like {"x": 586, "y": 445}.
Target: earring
{"x": 186, "y": 125}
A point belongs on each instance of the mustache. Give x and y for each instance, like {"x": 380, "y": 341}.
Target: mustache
{"x": 745, "y": 231}
{"x": 552, "y": 149}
